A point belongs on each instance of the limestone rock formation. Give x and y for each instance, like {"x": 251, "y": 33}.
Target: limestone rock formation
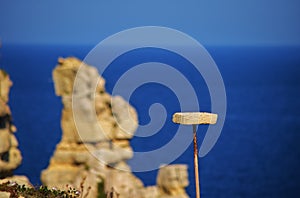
{"x": 95, "y": 133}
{"x": 19, "y": 179}
{"x": 4, "y": 194}
{"x": 172, "y": 180}
{"x": 96, "y": 129}
{"x": 171, "y": 183}
{"x": 10, "y": 155}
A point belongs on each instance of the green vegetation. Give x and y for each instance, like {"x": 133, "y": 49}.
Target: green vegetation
{"x": 101, "y": 191}
{"x": 16, "y": 190}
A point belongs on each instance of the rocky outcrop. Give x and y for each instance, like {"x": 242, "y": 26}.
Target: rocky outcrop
{"x": 172, "y": 180}
{"x": 96, "y": 129}
{"x": 10, "y": 155}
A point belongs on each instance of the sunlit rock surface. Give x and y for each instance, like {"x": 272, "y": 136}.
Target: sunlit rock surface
{"x": 10, "y": 155}
{"x": 95, "y": 143}
{"x": 172, "y": 180}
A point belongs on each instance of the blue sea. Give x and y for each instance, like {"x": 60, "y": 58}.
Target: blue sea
{"x": 257, "y": 154}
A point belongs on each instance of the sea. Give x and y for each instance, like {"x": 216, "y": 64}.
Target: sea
{"x": 257, "y": 153}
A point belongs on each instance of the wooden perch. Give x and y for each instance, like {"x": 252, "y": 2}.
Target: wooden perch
{"x": 190, "y": 118}
{"x": 195, "y": 118}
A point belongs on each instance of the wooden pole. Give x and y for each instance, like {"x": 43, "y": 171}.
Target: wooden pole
{"x": 195, "y": 118}
{"x": 196, "y": 165}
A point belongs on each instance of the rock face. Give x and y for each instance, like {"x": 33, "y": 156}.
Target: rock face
{"x": 172, "y": 180}
{"x": 10, "y": 155}
{"x": 95, "y": 143}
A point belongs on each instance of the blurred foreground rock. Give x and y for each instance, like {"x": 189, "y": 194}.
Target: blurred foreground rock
{"x": 172, "y": 180}
{"x": 10, "y": 155}
{"x": 95, "y": 145}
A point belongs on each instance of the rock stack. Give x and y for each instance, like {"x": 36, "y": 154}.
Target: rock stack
{"x": 10, "y": 155}
{"x": 172, "y": 180}
{"x": 96, "y": 129}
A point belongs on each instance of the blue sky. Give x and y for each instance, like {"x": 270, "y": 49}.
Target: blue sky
{"x": 211, "y": 22}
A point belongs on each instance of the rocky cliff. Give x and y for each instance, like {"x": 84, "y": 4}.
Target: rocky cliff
{"x": 10, "y": 155}
{"x": 96, "y": 129}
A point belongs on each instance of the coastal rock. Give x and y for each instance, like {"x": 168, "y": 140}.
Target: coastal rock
{"x": 151, "y": 192}
{"x": 125, "y": 184}
{"x": 126, "y": 118}
{"x": 4, "y": 194}
{"x": 61, "y": 175}
{"x": 91, "y": 140}
{"x": 5, "y": 84}
{"x": 5, "y": 142}
{"x": 109, "y": 156}
{"x": 19, "y": 179}
{"x": 10, "y": 155}
{"x": 88, "y": 183}
{"x": 95, "y": 146}
{"x": 172, "y": 180}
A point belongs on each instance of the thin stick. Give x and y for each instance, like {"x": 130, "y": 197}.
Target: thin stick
{"x": 196, "y": 163}
{"x": 195, "y": 118}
